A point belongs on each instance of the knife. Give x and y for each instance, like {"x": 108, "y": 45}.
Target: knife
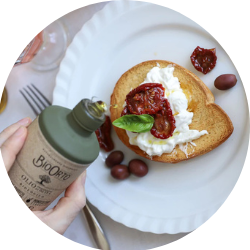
{"x": 95, "y": 228}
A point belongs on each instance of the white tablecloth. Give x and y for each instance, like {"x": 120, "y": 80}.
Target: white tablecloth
{"x": 119, "y": 236}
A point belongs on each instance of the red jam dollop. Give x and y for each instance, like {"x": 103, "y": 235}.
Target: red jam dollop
{"x": 149, "y": 99}
{"x": 204, "y": 60}
{"x": 104, "y": 136}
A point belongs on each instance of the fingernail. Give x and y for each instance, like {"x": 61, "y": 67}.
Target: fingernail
{"x": 20, "y": 131}
{"x": 25, "y": 121}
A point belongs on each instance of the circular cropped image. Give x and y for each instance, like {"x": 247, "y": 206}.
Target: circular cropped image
{"x": 145, "y": 106}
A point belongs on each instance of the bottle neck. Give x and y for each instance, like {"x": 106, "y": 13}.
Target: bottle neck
{"x": 89, "y": 115}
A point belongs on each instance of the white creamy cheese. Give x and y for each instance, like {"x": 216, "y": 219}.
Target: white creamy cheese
{"x": 179, "y": 104}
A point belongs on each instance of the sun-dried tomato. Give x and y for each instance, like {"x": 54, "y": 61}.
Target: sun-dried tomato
{"x": 125, "y": 111}
{"x": 204, "y": 60}
{"x": 142, "y": 100}
{"x": 164, "y": 124}
{"x": 145, "y": 99}
{"x": 104, "y": 136}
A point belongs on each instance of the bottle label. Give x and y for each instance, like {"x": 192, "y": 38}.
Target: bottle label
{"x": 40, "y": 174}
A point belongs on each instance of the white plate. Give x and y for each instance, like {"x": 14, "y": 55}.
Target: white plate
{"x": 171, "y": 198}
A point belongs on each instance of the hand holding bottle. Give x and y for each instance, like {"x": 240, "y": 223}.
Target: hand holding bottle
{"x": 60, "y": 217}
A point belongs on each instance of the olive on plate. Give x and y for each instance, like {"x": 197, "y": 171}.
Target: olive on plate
{"x": 138, "y": 167}
{"x": 114, "y": 158}
{"x": 226, "y": 81}
{"x": 120, "y": 172}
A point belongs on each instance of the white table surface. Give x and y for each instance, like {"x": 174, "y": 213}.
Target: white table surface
{"x": 119, "y": 236}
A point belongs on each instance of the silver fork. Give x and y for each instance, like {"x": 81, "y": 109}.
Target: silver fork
{"x": 38, "y": 102}
{"x": 35, "y": 98}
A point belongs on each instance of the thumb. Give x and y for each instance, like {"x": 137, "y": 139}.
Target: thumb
{"x": 11, "y": 147}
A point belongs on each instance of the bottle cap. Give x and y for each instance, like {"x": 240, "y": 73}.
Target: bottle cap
{"x": 89, "y": 115}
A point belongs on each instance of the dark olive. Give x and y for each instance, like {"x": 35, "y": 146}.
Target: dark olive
{"x": 138, "y": 168}
{"x": 120, "y": 172}
{"x": 224, "y": 82}
{"x": 114, "y": 158}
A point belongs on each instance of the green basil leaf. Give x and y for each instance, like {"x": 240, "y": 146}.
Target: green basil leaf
{"x": 135, "y": 123}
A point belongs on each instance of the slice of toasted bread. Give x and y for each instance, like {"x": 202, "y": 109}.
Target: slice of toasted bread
{"x": 206, "y": 114}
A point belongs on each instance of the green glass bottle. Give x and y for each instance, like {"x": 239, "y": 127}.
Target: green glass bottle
{"x": 60, "y": 145}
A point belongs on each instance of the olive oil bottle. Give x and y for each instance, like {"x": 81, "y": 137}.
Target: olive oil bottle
{"x": 60, "y": 145}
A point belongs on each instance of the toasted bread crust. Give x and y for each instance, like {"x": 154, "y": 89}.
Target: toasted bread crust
{"x": 207, "y": 115}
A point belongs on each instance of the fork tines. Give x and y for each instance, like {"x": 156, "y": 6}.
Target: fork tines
{"x": 36, "y": 100}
